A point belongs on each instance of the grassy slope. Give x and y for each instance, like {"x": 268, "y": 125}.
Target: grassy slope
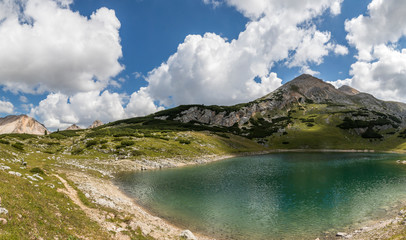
{"x": 325, "y": 135}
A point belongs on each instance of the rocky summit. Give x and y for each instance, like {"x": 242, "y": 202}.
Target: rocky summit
{"x": 21, "y": 124}
{"x": 95, "y": 124}
{"x": 74, "y": 127}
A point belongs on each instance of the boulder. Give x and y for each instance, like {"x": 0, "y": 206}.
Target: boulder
{"x": 188, "y": 235}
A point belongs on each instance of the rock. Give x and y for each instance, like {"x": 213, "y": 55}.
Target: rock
{"x": 15, "y": 173}
{"x": 3, "y": 221}
{"x": 187, "y": 234}
{"x": 3, "y": 211}
{"x": 402, "y": 212}
{"x": 95, "y": 124}
{"x": 341, "y": 234}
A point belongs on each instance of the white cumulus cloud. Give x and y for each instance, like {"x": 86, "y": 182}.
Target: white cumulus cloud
{"x": 381, "y": 62}
{"x": 6, "y": 107}
{"x": 45, "y": 46}
{"x": 210, "y": 69}
{"x": 60, "y": 111}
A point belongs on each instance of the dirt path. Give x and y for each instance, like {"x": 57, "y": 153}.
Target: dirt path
{"x": 94, "y": 214}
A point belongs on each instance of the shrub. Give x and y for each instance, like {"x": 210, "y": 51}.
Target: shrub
{"x": 18, "y": 145}
{"x": 77, "y": 151}
{"x": 184, "y": 141}
{"x": 4, "y": 142}
{"x": 91, "y": 143}
{"x": 370, "y": 133}
{"x": 127, "y": 143}
{"x": 37, "y": 170}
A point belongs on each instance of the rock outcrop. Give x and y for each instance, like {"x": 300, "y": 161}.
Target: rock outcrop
{"x": 21, "y": 124}
{"x": 95, "y": 124}
{"x": 74, "y": 127}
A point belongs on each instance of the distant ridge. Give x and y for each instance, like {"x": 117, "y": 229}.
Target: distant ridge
{"x": 74, "y": 127}
{"x": 21, "y": 124}
{"x": 96, "y": 124}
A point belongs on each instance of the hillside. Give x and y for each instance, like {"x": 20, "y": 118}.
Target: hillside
{"x": 304, "y": 113}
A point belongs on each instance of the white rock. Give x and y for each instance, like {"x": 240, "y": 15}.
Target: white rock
{"x": 3, "y": 211}
{"x": 3, "y": 221}
{"x": 341, "y": 234}
{"x": 187, "y": 234}
{"x": 32, "y": 178}
{"x": 5, "y": 168}
{"x": 15, "y": 173}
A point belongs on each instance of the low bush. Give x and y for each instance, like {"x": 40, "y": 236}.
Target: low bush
{"x": 91, "y": 143}
{"x": 18, "y": 145}
{"x": 37, "y": 170}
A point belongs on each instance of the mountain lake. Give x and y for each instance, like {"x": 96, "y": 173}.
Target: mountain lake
{"x": 275, "y": 196}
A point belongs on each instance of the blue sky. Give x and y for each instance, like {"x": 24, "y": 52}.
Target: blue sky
{"x": 67, "y": 61}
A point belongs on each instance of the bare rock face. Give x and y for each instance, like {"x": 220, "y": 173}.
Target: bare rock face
{"x": 21, "y": 124}
{"x": 96, "y": 124}
{"x": 74, "y": 127}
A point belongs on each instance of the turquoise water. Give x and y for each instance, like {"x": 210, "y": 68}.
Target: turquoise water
{"x": 277, "y": 196}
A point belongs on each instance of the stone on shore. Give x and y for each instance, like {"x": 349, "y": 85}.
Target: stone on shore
{"x": 188, "y": 235}
{"x": 341, "y": 234}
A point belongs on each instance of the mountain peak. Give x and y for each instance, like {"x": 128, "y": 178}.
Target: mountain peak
{"x": 307, "y": 80}
{"x": 348, "y": 90}
{"x": 73, "y": 127}
{"x": 96, "y": 124}
{"x": 21, "y": 124}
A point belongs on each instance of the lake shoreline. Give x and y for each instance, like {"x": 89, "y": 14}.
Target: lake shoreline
{"x": 160, "y": 228}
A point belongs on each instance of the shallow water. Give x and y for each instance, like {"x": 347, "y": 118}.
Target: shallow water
{"x": 277, "y": 196}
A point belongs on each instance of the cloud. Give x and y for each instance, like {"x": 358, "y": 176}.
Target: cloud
{"x": 23, "y": 99}
{"x": 141, "y": 104}
{"x": 335, "y": 8}
{"x": 60, "y": 111}
{"x": 214, "y": 3}
{"x": 6, "y": 107}
{"x": 45, "y": 46}
{"x": 210, "y": 69}
{"x": 381, "y": 63}
{"x": 340, "y": 50}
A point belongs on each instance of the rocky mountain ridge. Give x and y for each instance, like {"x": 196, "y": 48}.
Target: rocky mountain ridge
{"x": 21, "y": 124}
{"x": 361, "y": 111}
